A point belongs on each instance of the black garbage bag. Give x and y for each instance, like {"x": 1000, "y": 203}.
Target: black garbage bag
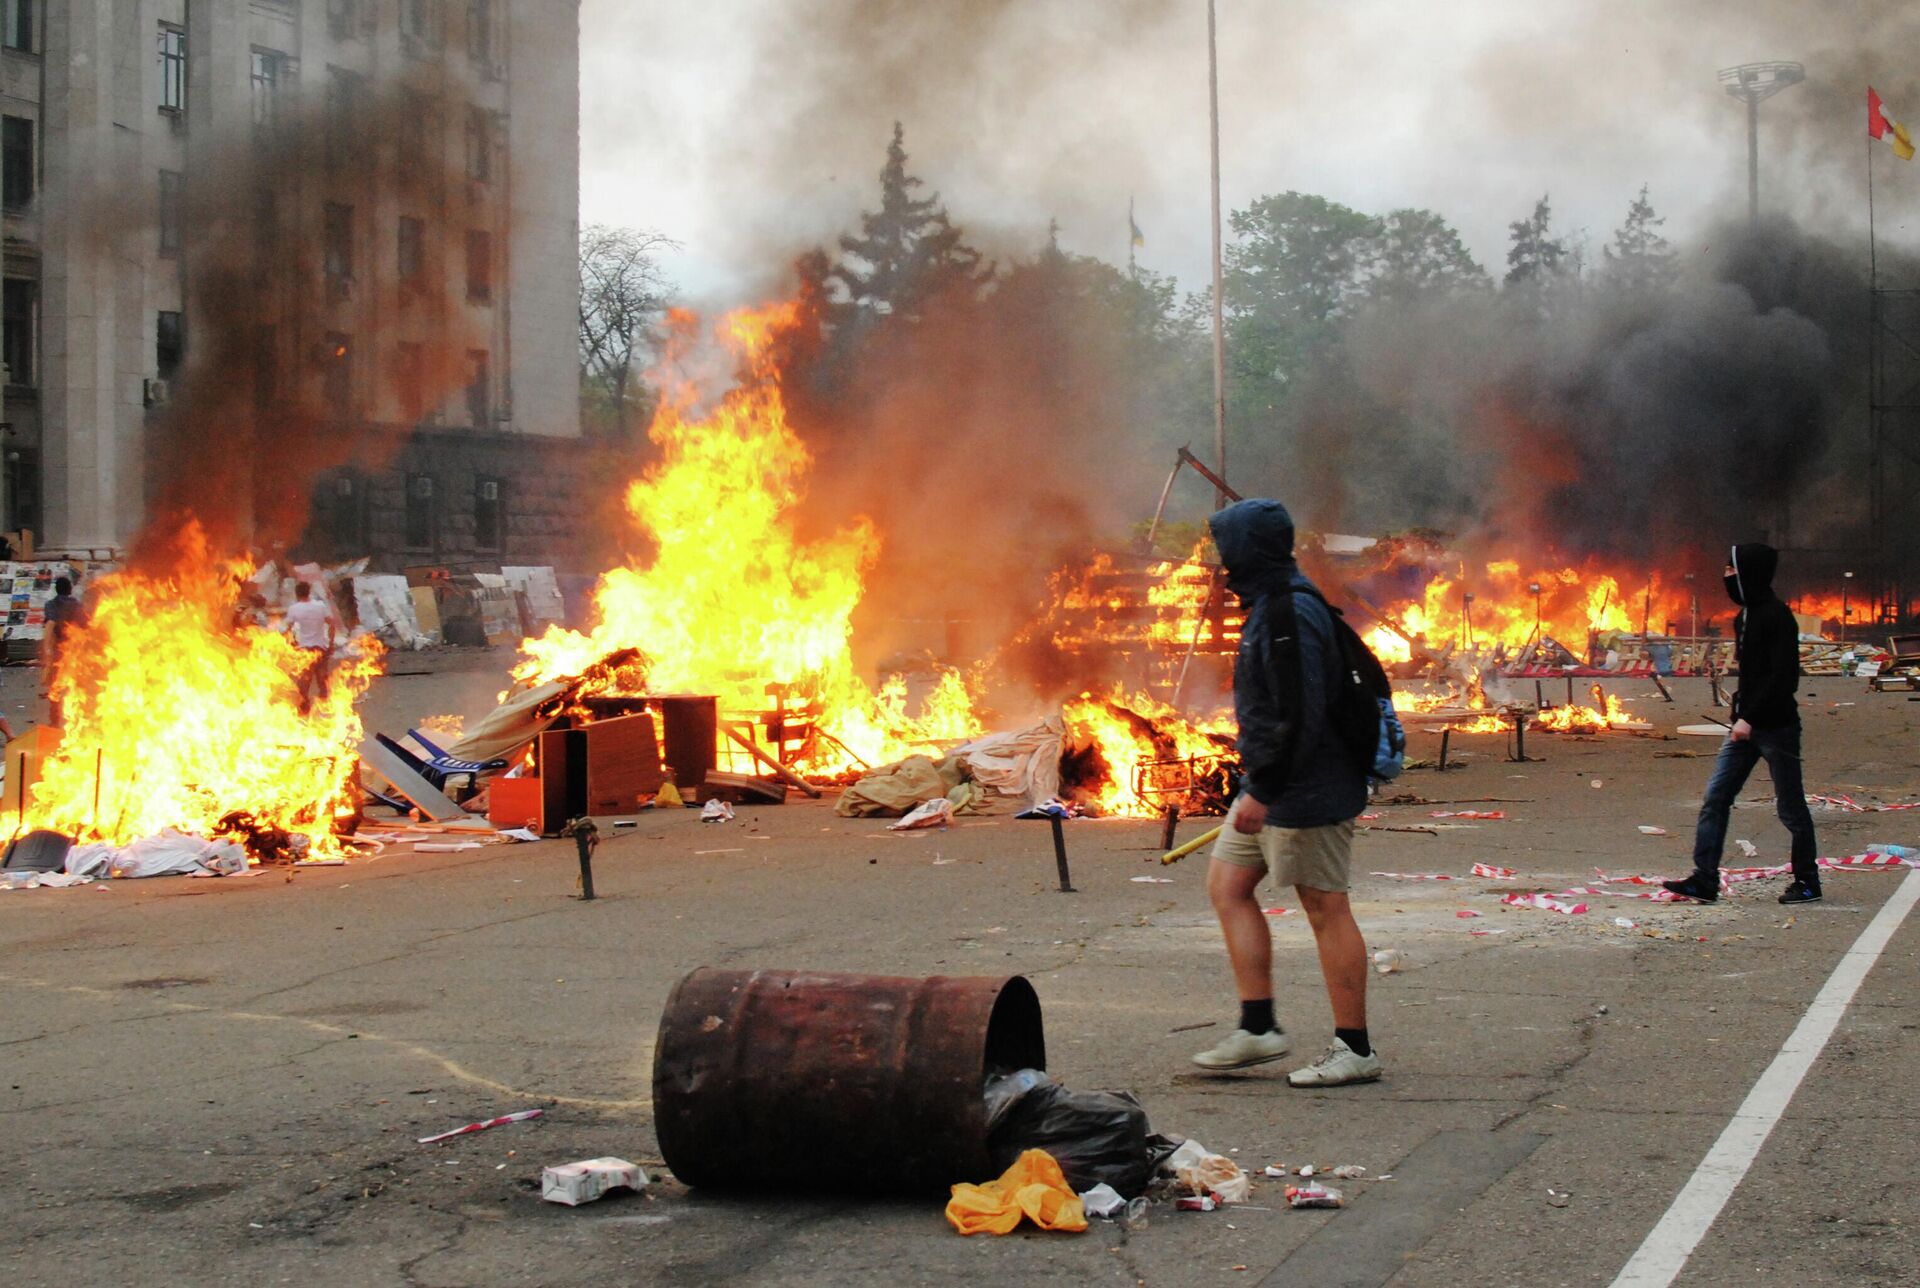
{"x": 1095, "y": 1136}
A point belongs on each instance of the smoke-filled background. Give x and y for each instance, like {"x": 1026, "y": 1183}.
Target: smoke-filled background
{"x": 1489, "y": 269}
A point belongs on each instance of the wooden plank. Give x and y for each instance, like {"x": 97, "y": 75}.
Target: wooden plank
{"x": 748, "y": 787}
{"x": 780, "y": 771}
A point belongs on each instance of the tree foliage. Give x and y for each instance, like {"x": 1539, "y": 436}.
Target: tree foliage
{"x": 907, "y": 252}
{"x": 1535, "y": 258}
{"x": 1639, "y": 260}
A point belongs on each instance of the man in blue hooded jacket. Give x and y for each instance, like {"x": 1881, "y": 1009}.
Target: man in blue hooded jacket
{"x": 1300, "y": 790}
{"x": 1766, "y": 726}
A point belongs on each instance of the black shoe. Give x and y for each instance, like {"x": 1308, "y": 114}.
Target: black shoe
{"x": 1694, "y": 888}
{"x": 1801, "y": 892}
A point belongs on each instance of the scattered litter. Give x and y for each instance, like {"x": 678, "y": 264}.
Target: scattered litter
{"x": 1306, "y": 1169}
{"x": 937, "y": 812}
{"x": 440, "y": 847}
{"x": 520, "y": 834}
{"x": 1349, "y": 1172}
{"x": 1493, "y": 873}
{"x": 1387, "y": 961}
{"x": 1196, "y": 1203}
{"x": 1153, "y": 880}
{"x": 1596, "y": 784}
{"x": 1625, "y": 923}
{"x": 1278, "y": 912}
{"x": 1208, "y": 1174}
{"x": 583, "y": 1182}
{"x": 1487, "y": 814}
{"x": 1103, "y": 1201}
{"x": 521, "y": 1116}
{"x": 1464, "y": 913}
{"x": 1314, "y": 1196}
{"x": 1545, "y": 901}
{"x": 1033, "y": 1187}
{"x": 1277, "y": 1171}
{"x": 1646, "y": 830}
{"x": 1052, "y": 807}
{"x": 1558, "y": 1198}
{"x": 1748, "y": 849}
{"x": 716, "y": 811}
{"x": 1413, "y": 876}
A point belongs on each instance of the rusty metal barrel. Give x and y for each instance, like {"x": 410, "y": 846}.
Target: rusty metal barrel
{"x": 798, "y": 1078}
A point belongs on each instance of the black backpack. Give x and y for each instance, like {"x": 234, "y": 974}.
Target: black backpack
{"x": 1360, "y": 708}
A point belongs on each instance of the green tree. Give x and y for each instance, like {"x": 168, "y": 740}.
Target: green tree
{"x": 908, "y": 251}
{"x": 1535, "y": 258}
{"x": 1639, "y": 260}
{"x": 1298, "y": 264}
{"x": 1418, "y": 254}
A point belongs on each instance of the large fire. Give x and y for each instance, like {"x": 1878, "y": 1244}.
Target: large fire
{"x": 177, "y": 716}
{"x": 733, "y": 601}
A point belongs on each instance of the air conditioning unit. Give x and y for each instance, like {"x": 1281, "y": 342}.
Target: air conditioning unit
{"x": 157, "y": 392}
{"x": 490, "y": 490}
{"x": 343, "y": 487}
{"x": 423, "y": 488}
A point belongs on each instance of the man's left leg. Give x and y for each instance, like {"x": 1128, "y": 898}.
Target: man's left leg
{"x": 1320, "y": 866}
{"x": 1781, "y": 750}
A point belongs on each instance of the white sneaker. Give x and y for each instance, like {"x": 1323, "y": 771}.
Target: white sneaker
{"x": 1339, "y": 1066}
{"x": 1242, "y": 1050}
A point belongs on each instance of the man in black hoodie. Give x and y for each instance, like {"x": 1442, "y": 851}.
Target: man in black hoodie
{"x": 1766, "y": 726}
{"x": 1300, "y": 791}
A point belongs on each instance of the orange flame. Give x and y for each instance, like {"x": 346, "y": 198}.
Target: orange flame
{"x": 734, "y": 602}
{"x": 176, "y": 716}
{"x": 1139, "y": 740}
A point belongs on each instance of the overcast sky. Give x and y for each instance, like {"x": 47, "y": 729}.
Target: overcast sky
{"x": 752, "y": 129}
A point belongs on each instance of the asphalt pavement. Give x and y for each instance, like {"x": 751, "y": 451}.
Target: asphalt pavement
{"x": 221, "y": 1081}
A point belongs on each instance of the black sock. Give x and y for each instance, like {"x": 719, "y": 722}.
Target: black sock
{"x": 1356, "y": 1040}
{"x": 1257, "y": 1017}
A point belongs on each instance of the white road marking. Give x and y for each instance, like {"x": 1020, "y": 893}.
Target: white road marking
{"x": 1666, "y": 1248}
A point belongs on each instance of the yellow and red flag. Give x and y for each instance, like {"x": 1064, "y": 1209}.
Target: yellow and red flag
{"x": 1885, "y": 128}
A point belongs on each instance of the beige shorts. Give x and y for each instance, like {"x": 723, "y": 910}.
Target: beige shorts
{"x": 1320, "y": 858}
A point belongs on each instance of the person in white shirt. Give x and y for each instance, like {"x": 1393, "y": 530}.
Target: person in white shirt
{"x": 311, "y": 623}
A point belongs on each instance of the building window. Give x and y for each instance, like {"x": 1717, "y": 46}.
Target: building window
{"x": 479, "y": 145}
{"x": 489, "y": 513}
{"x": 343, "y": 512}
{"x": 479, "y": 267}
{"x": 480, "y": 33}
{"x": 339, "y": 250}
{"x": 343, "y": 19}
{"x": 417, "y": 25}
{"x": 173, "y": 68}
{"x": 173, "y": 190}
{"x": 420, "y": 513}
{"x": 18, "y": 18}
{"x": 343, "y": 117}
{"x": 16, "y": 162}
{"x": 269, "y": 69}
{"x": 413, "y": 251}
{"x": 410, "y": 380}
{"x": 480, "y": 387}
{"x": 337, "y": 351}
{"x": 18, "y": 316}
{"x": 416, "y": 126}
{"x": 169, "y": 346}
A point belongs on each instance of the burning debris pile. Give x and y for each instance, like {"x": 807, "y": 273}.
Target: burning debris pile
{"x": 181, "y": 715}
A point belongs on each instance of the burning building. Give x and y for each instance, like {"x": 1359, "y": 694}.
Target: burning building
{"x": 391, "y": 190}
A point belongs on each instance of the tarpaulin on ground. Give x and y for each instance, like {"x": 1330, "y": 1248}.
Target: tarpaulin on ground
{"x": 892, "y": 790}
{"x": 1024, "y": 762}
{"x": 513, "y": 724}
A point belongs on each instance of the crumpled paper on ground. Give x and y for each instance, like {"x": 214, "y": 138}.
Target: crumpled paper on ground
{"x": 1205, "y": 1172}
{"x": 1033, "y": 1187}
{"x": 937, "y": 812}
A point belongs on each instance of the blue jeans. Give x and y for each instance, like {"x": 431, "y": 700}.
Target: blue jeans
{"x": 1780, "y": 748}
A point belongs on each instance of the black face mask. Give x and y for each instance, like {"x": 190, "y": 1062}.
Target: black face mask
{"x": 1733, "y": 590}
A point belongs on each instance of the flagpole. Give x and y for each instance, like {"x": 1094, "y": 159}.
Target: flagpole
{"x": 1219, "y": 314}
{"x": 1873, "y": 253}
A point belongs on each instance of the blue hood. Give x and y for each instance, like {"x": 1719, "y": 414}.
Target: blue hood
{"x": 1255, "y": 540}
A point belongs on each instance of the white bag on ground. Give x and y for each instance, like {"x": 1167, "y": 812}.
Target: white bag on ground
{"x": 937, "y": 812}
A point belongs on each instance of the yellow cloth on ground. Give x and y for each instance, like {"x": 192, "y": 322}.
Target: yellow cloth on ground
{"x": 1033, "y": 1187}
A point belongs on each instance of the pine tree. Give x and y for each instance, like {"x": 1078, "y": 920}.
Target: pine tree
{"x": 908, "y": 251}
{"x": 1535, "y": 259}
{"x": 1640, "y": 260}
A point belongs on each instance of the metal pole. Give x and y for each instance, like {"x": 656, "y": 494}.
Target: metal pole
{"x": 1753, "y": 158}
{"x": 1169, "y": 823}
{"x": 1446, "y": 736}
{"x": 1219, "y": 306}
{"x": 1060, "y": 855}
